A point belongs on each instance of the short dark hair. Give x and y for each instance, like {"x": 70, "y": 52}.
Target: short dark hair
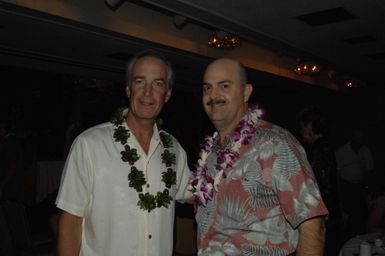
{"x": 150, "y": 53}
{"x": 317, "y": 117}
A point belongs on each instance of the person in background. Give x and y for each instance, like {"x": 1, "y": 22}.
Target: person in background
{"x": 256, "y": 191}
{"x": 315, "y": 134}
{"x": 103, "y": 213}
{"x": 354, "y": 165}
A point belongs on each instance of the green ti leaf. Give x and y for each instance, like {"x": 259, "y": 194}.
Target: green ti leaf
{"x": 163, "y": 199}
{"x": 136, "y": 179}
{"x": 129, "y": 155}
{"x": 147, "y": 202}
{"x": 159, "y": 122}
{"x": 166, "y": 139}
{"x": 121, "y": 134}
{"x": 168, "y": 158}
{"x": 169, "y": 178}
{"x": 118, "y": 116}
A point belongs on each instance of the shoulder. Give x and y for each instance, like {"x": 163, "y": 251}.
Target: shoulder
{"x": 97, "y": 133}
{"x": 270, "y": 131}
{"x": 175, "y": 142}
{"x": 275, "y": 139}
{"x": 177, "y": 149}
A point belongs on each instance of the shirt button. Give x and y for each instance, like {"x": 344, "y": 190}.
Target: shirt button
{"x": 149, "y": 236}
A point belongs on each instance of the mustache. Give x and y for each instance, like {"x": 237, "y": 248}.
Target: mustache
{"x": 215, "y": 101}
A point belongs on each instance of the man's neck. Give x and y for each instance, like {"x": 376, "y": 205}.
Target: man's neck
{"x": 226, "y": 132}
{"x": 224, "y": 136}
{"x": 142, "y": 129}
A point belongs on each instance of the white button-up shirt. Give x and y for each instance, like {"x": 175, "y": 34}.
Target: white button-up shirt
{"x": 352, "y": 166}
{"x": 95, "y": 186}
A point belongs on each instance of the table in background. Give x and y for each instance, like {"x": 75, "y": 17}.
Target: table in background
{"x": 352, "y": 246}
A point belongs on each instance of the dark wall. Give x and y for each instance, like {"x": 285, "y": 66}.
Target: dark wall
{"x": 45, "y": 104}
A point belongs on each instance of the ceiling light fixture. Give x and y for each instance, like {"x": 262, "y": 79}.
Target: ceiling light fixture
{"x": 344, "y": 80}
{"x": 352, "y": 83}
{"x": 114, "y": 4}
{"x": 224, "y": 40}
{"x": 306, "y": 68}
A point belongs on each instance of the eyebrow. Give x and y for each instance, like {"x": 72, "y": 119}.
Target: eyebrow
{"x": 225, "y": 81}
{"x": 142, "y": 77}
{"x": 220, "y": 82}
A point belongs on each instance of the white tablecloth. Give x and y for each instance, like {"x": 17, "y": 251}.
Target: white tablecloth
{"x": 48, "y": 178}
{"x": 352, "y": 246}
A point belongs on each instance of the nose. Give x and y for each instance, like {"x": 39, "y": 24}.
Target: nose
{"x": 148, "y": 89}
{"x": 212, "y": 92}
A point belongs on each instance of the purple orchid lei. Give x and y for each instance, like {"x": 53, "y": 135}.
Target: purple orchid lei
{"x": 202, "y": 184}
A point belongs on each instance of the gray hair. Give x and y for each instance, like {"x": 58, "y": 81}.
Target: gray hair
{"x": 150, "y": 53}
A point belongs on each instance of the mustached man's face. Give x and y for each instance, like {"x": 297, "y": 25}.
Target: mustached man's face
{"x": 224, "y": 96}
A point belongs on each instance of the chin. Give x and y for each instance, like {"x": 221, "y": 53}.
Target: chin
{"x": 216, "y": 118}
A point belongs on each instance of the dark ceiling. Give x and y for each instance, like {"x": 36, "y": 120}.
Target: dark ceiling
{"x": 345, "y": 36}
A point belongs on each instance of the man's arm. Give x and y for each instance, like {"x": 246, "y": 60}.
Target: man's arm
{"x": 69, "y": 234}
{"x": 311, "y": 237}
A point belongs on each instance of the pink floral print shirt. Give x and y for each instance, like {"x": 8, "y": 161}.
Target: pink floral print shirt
{"x": 268, "y": 193}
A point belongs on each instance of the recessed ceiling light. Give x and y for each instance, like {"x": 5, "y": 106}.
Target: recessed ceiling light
{"x": 326, "y": 17}
{"x": 360, "y": 39}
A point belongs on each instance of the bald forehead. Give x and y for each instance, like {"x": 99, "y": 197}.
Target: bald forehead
{"x": 223, "y": 63}
{"x": 225, "y": 66}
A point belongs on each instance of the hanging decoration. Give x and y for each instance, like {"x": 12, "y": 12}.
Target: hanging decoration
{"x": 224, "y": 40}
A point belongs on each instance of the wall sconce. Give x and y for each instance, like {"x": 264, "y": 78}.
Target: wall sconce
{"x": 306, "y": 68}
{"x": 224, "y": 40}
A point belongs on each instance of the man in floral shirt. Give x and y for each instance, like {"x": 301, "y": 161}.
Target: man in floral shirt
{"x": 256, "y": 190}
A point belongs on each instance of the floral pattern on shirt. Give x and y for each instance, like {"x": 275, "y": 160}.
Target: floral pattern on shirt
{"x": 262, "y": 200}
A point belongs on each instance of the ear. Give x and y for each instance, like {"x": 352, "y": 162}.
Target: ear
{"x": 247, "y": 90}
{"x": 168, "y": 95}
{"x": 128, "y": 91}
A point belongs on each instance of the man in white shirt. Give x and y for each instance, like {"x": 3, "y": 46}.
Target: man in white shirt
{"x": 103, "y": 212}
{"x": 354, "y": 164}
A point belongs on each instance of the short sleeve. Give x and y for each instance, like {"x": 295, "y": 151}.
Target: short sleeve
{"x": 295, "y": 184}
{"x": 75, "y": 188}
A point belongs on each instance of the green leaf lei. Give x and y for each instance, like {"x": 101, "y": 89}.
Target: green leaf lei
{"x": 136, "y": 177}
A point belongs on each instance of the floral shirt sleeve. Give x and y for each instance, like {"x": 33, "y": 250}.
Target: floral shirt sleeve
{"x": 294, "y": 183}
